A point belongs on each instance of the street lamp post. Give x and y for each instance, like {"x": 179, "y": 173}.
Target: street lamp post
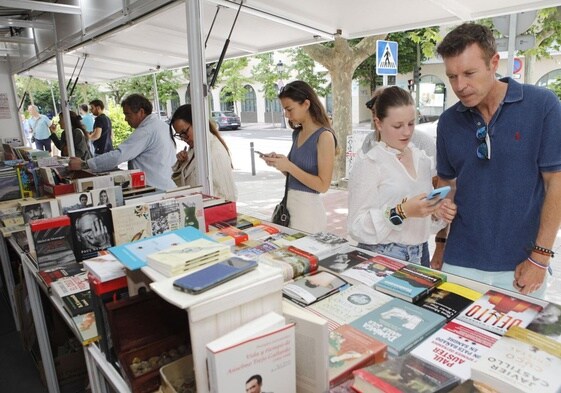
{"x": 280, "y": 69}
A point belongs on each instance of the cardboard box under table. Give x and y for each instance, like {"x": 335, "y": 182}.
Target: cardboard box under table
{"x": 145, "y": 328}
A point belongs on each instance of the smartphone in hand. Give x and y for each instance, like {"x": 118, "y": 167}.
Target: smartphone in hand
{"x": 439, "y": 193}
{"x": 214, "y": 275}
{"x": 260, "y": 153}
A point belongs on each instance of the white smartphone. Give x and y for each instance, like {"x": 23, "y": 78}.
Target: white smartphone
{"x": 439, "y": 192}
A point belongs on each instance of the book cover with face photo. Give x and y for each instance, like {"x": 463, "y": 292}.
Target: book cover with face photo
{"x": 74, "y": 201}
{"x": 91, "y": 230}
{"x": 109, "y": 196}
{"x": 311, "y": 288}
{"x": 36, "y": 209}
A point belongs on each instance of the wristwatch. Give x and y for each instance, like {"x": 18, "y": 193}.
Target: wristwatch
{"x": 394, "y": 217}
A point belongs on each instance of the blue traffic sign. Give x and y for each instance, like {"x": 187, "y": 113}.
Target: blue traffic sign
{"x": 386, "y": 57}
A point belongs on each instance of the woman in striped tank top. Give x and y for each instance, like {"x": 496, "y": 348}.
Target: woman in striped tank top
{"x": 309, "y": 165}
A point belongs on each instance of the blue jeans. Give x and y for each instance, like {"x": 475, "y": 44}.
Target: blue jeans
{"x": 43, "y": 143}
{"x": 408, "y": 253}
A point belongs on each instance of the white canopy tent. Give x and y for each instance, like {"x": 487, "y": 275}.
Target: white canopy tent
{"x": 125, "y": 38}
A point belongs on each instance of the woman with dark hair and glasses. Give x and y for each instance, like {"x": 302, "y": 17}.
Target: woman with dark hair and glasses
{"x": 389, "y": 212}
{"x": 185, "y": 171}
{"x": 309, "y": 165}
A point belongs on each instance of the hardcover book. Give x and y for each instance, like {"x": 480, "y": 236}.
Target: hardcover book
{"x": 374, "y": 269}
{"x": 51, "y": 242}
{"x": 259, "y": 354}
{"x": 449, "y": 299}
{"x": 78, "y": 303}
{"x": 349, "y": 304}
{"x": 164, "y": 216}
{"x": 293, "y": 261}
{"x": 312, "y": 352}
{"x": 131, "y": 223}
{"x": 406, "y": 374}
{"x": 521, "y": 361}
{"x": 497, "y": 312}
{"x": 399, "y": 324}
{"x": 350, "y": 349}
{"x": 456, "y": 347}
{"x": 344, "y": 259}
{"x": 133, "y": 255}
{"x": 313, "y": 287}
{"x": 411, "y": 283}
{"x": 187, "y": 256}
{"x": 92, "y": 231}
{"x": 548, "y": 322}
{"x": 321, "y": 244}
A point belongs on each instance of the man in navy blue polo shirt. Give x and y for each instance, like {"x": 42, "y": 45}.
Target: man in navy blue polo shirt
{"x": 499, "y": 148}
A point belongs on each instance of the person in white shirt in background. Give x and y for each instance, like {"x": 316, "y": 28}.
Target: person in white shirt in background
{"x": 39, "y": 125}
{"x": 26, "y": 129}
{"x": 388, "y": 210}
{"x": 149, "y": 148}
{"x": 185, "y": 172}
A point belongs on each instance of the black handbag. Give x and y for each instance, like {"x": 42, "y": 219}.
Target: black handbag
{"x": 281, "y": 216}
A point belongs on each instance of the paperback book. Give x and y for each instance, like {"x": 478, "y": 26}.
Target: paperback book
{"x": 252, "y": 249}
{"x": 399, "y": 324}
{"x": 191, "y": 211}
{"x": 497, "y": 312}
{"x": 344, "y": 259}
{"x": 78, "y": 303}
{"x": 133, "y": 255}
{"x": 313, "y": 287}
{"x": 283, "y": 239}
{"x": 105, "y": 267}
{"x": 350, "y": 349}
{"x": 406, "y": 374}
{"x": 56, "y": 273}
{"x": 187, "y": 256}
{"x": 522, "y": 361}
{"x": 69, "y": 286}
{"x": 164, "y": 216}
{"x": 411, "y": 283}
{"x": 108, "y": 196}
{"x": 349, "y": 304}
{"x": 92, "y": 230}
{"x": 292, "y": 261}
{"x": 374, "y": 269}
{"x": 320, "y": 244}
{"x": 548, "y": 322}
{"x": 131, "y": 223}
{"x": 312, "y": 352}
{"x": 456, "y": 347}
{"x": 50, "y": 242}
{"x": 258, "y": 354}
{"x": 449, "y": 299}
{"x": 37, "y": 209}
{"x": 74, "y": 201}
{"x": 86, "y": 327}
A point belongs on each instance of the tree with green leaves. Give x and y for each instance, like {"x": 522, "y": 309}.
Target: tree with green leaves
{"x": 166, "y": 81}
{"x": 305, "y": 68}
{"x": 233, "y": 82}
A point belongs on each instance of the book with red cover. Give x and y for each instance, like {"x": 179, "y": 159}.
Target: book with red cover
{"x": 51, "y": 275}
{"x": 350, "y": 349}
{"x": 497, "y": 312}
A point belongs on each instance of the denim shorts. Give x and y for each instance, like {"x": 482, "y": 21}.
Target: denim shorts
{"x": 404, "y": 252}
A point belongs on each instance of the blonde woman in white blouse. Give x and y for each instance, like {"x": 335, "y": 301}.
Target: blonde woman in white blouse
{"x": 388, "y": 210}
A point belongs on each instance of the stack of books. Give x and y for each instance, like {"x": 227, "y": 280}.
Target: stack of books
{"x": 187, "y": 256}
{"x": 411, "y": 283}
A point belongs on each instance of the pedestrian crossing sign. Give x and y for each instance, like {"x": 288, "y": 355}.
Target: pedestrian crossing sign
{"x": 386, "y": 57}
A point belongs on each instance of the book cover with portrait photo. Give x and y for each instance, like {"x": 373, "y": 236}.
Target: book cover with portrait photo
{"x": 92, "y": 231}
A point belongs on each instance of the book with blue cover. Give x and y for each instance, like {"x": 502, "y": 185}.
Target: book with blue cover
{"x": 411, "y": 283}
{"x": 133, "y": 255}
{"x": 400, "y": 325}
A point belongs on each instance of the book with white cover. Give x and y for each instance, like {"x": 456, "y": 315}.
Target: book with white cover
{"x": 349, "y": 304}
{"x": 312, "y": 349}
{"x": 456, "y": 347}
{"x": 69, "y": 286}
{"x": 522, "y": 361}
{"x": 105, "y": 267}
{"x": 264, "y": 347}
{"x": 131, "y": 223}
{"x": 320, "y": 244}
{"x": 182, "y": 257}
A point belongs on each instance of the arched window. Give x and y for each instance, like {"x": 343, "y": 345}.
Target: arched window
{"x": 174, "y": 101}
{"x": 549, "y": 79}
{"x": 249, "y": 103}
